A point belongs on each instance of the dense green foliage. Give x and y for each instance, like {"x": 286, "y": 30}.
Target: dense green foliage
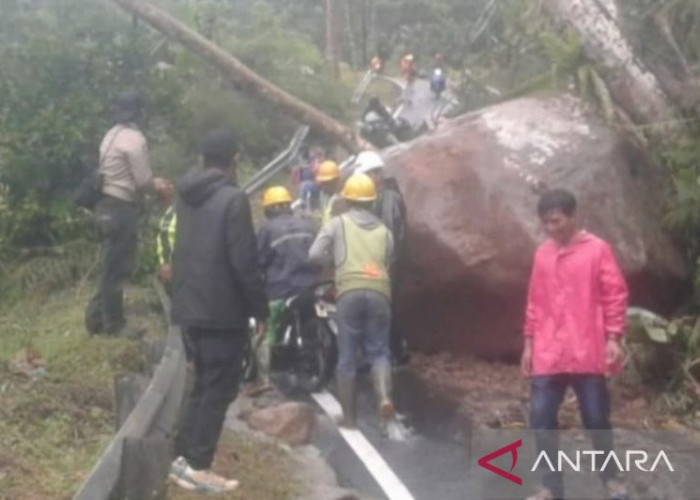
{"x": 62, "y": 62}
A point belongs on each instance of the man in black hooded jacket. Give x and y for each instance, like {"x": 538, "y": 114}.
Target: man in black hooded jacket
{"x": 217, "y": 288}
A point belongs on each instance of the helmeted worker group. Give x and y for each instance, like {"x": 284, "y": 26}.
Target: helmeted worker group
{"x": 221, "y": 274}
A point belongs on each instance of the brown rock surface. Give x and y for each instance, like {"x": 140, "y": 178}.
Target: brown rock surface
{"x": 290, "y": 422}
{"x": 471, "y": 188}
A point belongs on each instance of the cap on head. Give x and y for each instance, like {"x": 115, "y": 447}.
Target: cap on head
{"x": 276, "y": 195}
{"x": 128, "y": 105}
{"x": 328, "y": 171}
{"x": 218, "y": 148}
{"x": 359, "y": 187}
{"x": 368, "y": 161}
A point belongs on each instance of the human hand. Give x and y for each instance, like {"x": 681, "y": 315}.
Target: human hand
{"x": 165, "y": 274}
{"x": 526, "y": 359}
{"x": 613, "y": 354}
{"x": 164, "y": 188}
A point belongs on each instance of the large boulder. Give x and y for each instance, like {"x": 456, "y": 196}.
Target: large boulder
{"x": 471, "y": 189}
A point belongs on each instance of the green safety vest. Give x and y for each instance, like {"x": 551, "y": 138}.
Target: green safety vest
{"x": 365, "y": 266}
{"x": 165, "y": 243}
{"x": 327, "y": 210}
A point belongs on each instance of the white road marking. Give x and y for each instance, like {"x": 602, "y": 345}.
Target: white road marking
{"x": 368, "y": 455}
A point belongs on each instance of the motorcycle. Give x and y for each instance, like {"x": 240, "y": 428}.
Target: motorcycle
{"x": 382, "y": 129}
{"x": 305, "y": 347}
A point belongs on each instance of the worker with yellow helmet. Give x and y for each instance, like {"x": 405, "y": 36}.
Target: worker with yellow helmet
{"x": 360, "y": 248}
{"x": 283, "y": 246}
{"x": 328, "y": 180}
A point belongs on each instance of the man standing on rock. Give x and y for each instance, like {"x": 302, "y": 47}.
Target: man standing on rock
{"x": 217, "y": 287}
{"x": 361, "y": 249}
{"x": 575, "y": 320}
{"x": 126, "y": 175}
{"x": 391, "y": 210}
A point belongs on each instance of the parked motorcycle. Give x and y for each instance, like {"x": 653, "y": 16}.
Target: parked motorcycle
{"x": 306, "y": 345}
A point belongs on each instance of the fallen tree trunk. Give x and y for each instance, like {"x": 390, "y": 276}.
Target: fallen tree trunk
{"x": 634, "y": 88}
{"x": 244, "y": 77}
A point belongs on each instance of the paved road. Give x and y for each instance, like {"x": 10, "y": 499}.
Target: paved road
{"x": 432, "y": 463}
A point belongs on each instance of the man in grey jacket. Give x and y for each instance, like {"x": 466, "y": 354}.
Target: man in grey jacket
{"x": 217, "y": 288}
{"x": 361, "y": 250}
{"x": 126, "y": 175}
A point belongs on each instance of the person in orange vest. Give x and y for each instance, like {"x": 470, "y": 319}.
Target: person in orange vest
{"x": 360, "y": 247}
{"x": 408, "y": 68}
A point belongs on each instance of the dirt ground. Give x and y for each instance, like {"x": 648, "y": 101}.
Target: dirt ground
{"x": 496, "y": 394}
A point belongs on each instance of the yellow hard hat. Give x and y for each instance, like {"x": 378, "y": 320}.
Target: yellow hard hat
{"x": 327, "y": 171}
{"x": 275, "y": 196}
{"x": 359, "y": 187}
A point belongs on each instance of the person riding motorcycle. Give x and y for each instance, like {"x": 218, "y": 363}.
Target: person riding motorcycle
{"x": 361, "y": 249}
{"x": 283, "y": 246}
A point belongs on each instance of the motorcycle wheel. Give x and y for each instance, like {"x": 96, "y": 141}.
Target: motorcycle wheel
{"x": 318, "y": 356}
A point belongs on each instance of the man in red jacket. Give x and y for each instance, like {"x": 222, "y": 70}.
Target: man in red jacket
{"x": 575, "y": 319}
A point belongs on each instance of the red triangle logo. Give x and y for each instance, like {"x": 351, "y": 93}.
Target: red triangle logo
{"x": 512, "y": 448}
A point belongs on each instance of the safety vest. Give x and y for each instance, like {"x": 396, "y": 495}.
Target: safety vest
{"x": 365, "y": 266}
{"x": 165, "y": 243}
{"x": 328, "y": 209}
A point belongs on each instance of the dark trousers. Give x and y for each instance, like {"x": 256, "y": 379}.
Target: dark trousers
{"x": 547, "y": 393}
{"x": 117, "y": 224}
{"x": 217, "y": 359}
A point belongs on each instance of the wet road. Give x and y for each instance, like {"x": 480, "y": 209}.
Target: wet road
{"x": 421, "y": 105}
{"x": 432, "y": 463}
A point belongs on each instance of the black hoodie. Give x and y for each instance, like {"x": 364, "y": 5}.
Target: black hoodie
{"x": 217, "y": 283}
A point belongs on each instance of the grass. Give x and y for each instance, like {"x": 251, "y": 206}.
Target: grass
{"x": 54, "y": 427}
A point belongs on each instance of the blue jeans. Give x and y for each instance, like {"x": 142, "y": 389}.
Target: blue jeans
{"x": 364, "y": 320}
{"x": 547, "y": 393}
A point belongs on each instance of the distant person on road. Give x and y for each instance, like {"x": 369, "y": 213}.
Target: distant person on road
{"x": 575, "y": 321}
{"x": 438, "y": 80}
{"x": 391, "y": 210}
{"x": 377, "y": 65}
{"x": 361, "y": 250}
{"x": 217, "y": 288}
{"x": 126, "y": 175}
{"x": 409, "y": 72}
{"x": 283, "y": 248}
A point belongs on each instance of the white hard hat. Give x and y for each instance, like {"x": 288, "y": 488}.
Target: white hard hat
{"x": 368, "y": 161}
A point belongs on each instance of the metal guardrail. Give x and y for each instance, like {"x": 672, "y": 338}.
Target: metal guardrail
{"x": 281, "y": 161}
{"x": 153, "y": 418}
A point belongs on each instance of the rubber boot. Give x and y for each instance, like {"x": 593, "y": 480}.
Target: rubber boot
{"x": 346, "y": 395}
{"x": 263, "y": 358}
{"x": 381, "y": 378}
